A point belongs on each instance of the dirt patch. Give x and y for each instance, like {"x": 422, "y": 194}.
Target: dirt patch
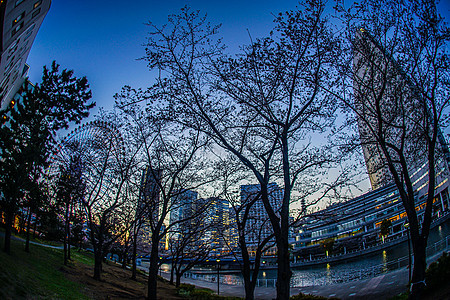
{"x": 115, "y": 283}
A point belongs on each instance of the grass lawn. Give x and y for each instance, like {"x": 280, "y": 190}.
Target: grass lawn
{"x": 41, "y": 274}
{"x": 35, "y": 275}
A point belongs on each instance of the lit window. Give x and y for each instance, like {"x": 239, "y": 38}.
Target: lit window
{"x": 16, "y": 29}
{"x": 37, "y": 3}
{"x": 17, "y": 20}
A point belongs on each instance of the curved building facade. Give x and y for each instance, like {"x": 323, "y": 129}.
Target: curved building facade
{"x": 20, "y": 21}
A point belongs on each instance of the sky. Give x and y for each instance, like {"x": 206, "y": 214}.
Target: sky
{"x": 102, "y": 40}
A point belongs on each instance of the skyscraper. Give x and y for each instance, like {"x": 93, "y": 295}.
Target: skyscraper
{"x": 148, "y": 205}
{"x": 182, "y": 203}
{"x": 217, "y": 216}
{"x": 19, "y": 23}
{"x": 258, "y": 224}
{"x": 389, "y": 108}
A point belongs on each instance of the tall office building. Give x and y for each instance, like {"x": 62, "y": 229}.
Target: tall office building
{"x": 19, "y": 23}
{"x": 381, "y": 85}
{"x": 183, "y": 202}
{"x": 258, "y": 224}
{"x": 149, "y": 193}
{"x": 148, "y": 205}
{"x": 217, "y": 217}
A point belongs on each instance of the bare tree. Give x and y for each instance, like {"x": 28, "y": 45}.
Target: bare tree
{"x": 173, "y": 158}
{"x": 397, "y": 70}
{"x": 187, "y": 243}
{"x": 262, "y": 106}
{"x": 105, "y": 166}
{"x": 70, "y": 191}
{"x": 243, "y": 223}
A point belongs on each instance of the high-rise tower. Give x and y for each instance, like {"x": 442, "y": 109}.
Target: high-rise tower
{"x": 19, "y": 23}
{"x": 390, "y": 109}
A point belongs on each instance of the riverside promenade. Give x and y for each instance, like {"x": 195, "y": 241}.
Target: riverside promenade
{"x": 380, "y": 287}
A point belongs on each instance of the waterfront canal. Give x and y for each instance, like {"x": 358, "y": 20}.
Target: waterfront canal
{"x": 352, "y": 269}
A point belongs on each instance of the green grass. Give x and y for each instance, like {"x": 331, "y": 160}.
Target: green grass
{"x": 82, "y": 256}
{"x": 36, "y": 274}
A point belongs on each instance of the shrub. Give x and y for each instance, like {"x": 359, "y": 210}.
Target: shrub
{"x": 402, "y": 296}
{"x": 302, "y": 296}
{"x": 438, "y": 272}
{"x": 201, "y": 294}
{"x": 187, "y": 287}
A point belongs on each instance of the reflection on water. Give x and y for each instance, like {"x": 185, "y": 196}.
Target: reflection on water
{"x": 385, "y": 260}
{"x": 388, "y": 259}
{"x": 356, "y": 268}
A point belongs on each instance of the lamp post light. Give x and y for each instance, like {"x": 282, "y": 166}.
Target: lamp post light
{"x": 218, "y": 274}
{"x": 409, "y": 254}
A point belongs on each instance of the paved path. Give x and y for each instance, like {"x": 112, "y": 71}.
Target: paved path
{"x": 2, "y": 234}
{"x": 376, "y": 288}
{"x": 381, "y": 287}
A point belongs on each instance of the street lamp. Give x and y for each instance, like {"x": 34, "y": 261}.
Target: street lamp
{"x": 218, "y": 274}
{"x": 409, "y": 254}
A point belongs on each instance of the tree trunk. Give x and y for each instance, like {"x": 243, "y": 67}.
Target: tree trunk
{"x": 153, "y": 268}
{"x": 66, "y": 230}
{"x": 98, "y": 262}
{"x": 178, "y": 279}
{"x": 125, "y": 254}
{"x": 22, "y": 223}
{"x": 27, "y": 242}
{"x": 246, "y": 272}
{"x": 249, "y": 290}
{"x": 172, "y": 271}
{"x": 34, "y": 230}
{"x": 133, "y": 268}
{"x": 284, "y": 270}
{"x": 9, "y": 217}
{"x": 420, "y": 265}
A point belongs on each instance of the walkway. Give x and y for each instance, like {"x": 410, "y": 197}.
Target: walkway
{"x": 377, "y": 288}
{"x": 2, "y": 234}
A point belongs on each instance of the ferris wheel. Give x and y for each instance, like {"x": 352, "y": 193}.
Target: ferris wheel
{"x": 92, "y": 145}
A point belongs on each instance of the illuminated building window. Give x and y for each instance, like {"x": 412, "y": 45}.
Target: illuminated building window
{"x": 37, "y": 4}
{"x": 18, "y": 19}
{"x": 16, "y": 29}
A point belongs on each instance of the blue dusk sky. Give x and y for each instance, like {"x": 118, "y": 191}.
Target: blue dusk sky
{"x": 103, "y": 39}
